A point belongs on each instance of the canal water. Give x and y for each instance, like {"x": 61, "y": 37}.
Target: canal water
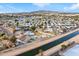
{"x": 49, "y": 45}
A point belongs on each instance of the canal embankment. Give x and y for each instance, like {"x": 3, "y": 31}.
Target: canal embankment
{"x": 34, "y": 45}
{"x": 57, "y": 48}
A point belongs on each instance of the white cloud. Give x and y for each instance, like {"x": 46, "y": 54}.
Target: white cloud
{"x": 75, "y": 6}
{"x": 41, "y": 4}
{"x": 72, "y": 7}
{"x": 9, "y": 9}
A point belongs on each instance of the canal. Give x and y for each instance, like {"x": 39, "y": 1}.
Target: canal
{"x": 49, "y": 45}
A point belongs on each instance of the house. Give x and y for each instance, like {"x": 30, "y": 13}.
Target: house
{"x": 21, "y": 38}
{"x": 29, "y": 33}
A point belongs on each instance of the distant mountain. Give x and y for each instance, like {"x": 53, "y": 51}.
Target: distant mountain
{"x": 48, "y": 11}
{"x": 41, "y": 12}
{"x": 44, "y": 11}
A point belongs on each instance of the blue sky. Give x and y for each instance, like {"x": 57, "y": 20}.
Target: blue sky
{"x": 29, "y": 7}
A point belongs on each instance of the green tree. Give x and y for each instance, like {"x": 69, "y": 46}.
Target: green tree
{"x": 17, "y": 24}
{"x": 63, "y": 46}
{"x": 2, "y": 34}
{"x": 16, "y": 20}
{"x": 32, "y": 28}
{"x": 13, "y": 39}
{"x": 5, "y": 37}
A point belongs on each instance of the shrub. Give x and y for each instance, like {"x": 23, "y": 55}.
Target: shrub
{"x": 32, "y": 28}
{"x": 63, "y": 46}
{"x": 13, "y": 39}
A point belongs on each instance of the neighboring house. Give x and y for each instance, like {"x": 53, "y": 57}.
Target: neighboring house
{"x": 17, "y": 28}
{"x": 30, "y": 33}
{"x": 21, "y": 38}
{"x": 48, "y": 30}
